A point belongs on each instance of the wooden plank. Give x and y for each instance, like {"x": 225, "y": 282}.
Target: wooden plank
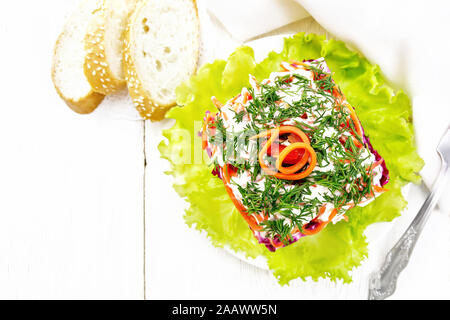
{"x": 71, "y": 186}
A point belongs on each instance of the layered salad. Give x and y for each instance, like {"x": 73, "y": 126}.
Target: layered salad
{"x": 292, "y": 153}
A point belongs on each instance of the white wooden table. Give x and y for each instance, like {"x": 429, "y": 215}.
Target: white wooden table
{"x": 84, "y": 203}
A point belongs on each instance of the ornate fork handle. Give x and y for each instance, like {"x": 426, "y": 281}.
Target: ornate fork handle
{"x": 382, "y": 284}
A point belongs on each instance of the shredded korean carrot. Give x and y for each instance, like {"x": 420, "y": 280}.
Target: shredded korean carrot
{"x": 216, "y": 103}
{"x": 376, "y": 164}
{"x": 245, "y": 95}
{"x": 284, "y": 67}
{"x": 254, "y": 83}
{"x": 355, "y": 120}
{"x": 288, "y": 173}
{"x": 284, "y": 153}
{"x": 249, "y": 219}
{"x": 277, "y": 245}
{"x": 379, "y": 189}
{"x": 319, "y": 225}
{"x": 357, "y": 143}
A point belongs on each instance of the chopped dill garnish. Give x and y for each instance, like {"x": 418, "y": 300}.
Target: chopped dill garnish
{"x": 342, "y": 174}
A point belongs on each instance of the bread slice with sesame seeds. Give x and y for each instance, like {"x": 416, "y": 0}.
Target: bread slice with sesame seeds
{"x": 161, "y": 51}
{"x": 104, "y": 46}
{"x": 68, "y": 61}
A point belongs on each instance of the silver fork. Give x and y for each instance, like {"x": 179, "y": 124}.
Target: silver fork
{"x": 382, "y": 284}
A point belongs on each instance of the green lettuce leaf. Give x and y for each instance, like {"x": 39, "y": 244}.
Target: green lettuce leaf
{"x": 385, "y": 115}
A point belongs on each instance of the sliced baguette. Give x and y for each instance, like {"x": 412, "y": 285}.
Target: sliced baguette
{"x": 68, "y": 62}
{"x": 161, "y": 51}
{"x": 104, "y": 46}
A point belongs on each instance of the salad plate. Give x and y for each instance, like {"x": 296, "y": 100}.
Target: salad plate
{"x": 262, "y": 47}
{"x": 363, "y": 85}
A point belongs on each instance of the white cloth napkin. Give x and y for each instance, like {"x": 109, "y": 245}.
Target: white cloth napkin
{"x": 408, "y": 39}
{"x": 245, "y": 19}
